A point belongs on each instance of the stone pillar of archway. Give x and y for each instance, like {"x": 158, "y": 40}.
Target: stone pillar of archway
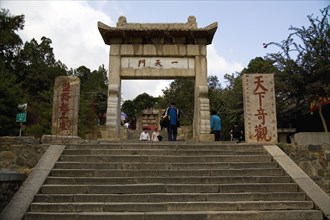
{"x": 114, "y": 97}
{"x": 201, "y": 131}
{"x": 158, "y": 51}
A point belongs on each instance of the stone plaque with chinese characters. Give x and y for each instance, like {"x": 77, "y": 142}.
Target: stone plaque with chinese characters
{"x": 157, "y": 67}
{"x": 66, "y": 106}
{"x": 158, "y": 62}
{"x": 259, "y": 108}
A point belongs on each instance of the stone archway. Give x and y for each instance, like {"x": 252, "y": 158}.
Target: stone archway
{"x": 158, "y": 51}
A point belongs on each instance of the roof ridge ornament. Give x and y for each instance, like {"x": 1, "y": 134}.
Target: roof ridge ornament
{"x": 122, "y": 21}
{"x": 192, "y": 22}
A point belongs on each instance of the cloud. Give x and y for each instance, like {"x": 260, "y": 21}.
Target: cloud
{"x": 72, "y": 27}
{"x": 219, "y": 66}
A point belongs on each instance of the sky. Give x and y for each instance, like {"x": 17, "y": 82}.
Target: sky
{"x": 243, "y": 27}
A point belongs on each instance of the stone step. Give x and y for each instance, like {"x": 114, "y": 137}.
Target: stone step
{"x": 167, "y": 146}
{"x": 166, "y": 173}
{"x": 163, "y": 152}
{"x": 169, "y": 188}
{"x": 171, "y": 197}
{"x": 163, "y": 166}
{"x": 167, "y": 181}
{"x": 171, "y": 206}
{"x": 165, "y": 159}
{"x": 181, "y": 180}
{"x": 183, "y": 215}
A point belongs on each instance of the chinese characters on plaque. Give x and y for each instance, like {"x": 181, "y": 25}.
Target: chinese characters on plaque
{"x": 158, "y": 62}
{"x": 66, "y": 106}
{"x": 259, "y": 108}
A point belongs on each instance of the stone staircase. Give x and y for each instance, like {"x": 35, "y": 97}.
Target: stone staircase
{"x": 167, "y": 181}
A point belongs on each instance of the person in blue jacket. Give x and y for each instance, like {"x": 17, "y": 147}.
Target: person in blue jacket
{"x": 215, "y": 123}
{"x": 173, "y": 114}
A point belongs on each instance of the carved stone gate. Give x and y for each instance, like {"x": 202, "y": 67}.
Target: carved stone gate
{"x": 158, "y": 51}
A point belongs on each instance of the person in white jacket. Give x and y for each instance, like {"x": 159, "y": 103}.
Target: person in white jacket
{"x": 145, "y": 135}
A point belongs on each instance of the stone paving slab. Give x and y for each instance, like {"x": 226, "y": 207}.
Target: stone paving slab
{"x": 199, "y": 215}
{"x": 169, "y": 188}
{"x": 168, "y": 146}
{"x": 193, "y": 179}
{"x": 163, "y": 166}
{"x": 171, "y": 206}
{"x": 163, "y": 152}
{"x": 267, "y": 215}
{"x": 165, "y": 173}
{"x": 171, "y": 197}
{"x": 165, "y": 158}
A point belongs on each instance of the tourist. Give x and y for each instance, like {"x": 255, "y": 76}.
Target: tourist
{"x": 123, "y": 117}
{"x": 145, "y": 135}
{"x": 154, "y": 135}
{"x": 126, "y": 125}
{"x": 215, "y": 123}
{"x": 236, "y": 134}
{"x": 173, "y": 115}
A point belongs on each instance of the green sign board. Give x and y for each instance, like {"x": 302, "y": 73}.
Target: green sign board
{"x": 21, "y": 117}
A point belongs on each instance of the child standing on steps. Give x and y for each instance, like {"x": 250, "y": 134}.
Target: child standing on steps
{"x": 154, "y": 135}
{"x": 145, "y": 135}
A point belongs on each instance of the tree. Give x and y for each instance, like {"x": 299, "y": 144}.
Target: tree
{"x": 37, "y": 67}
{"x": 93, "y": 98}
{"x": 8, "y": 103}
{"x": 134, "y": 107}
{"x": 181, "y": 91}
{"x": 10, "y": 44}
{"x": 36, "y": 70}
{"x": 130, "y": 109}
{"x": 214, "y": 93}
{"x": 28, "y": 75}
{"x": 260, "y": 65}
{"x": 304, "y": 64}
{"x": 144, "y": 101}
{"x": 227, "y": 101}
{"x": 232, "y": 111}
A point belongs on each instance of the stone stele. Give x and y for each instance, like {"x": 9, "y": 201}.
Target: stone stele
{"x": 259, "y": 108}
{"x": 66, "y": 106}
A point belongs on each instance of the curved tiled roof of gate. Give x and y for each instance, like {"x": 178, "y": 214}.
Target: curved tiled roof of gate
{"x": 124, "y": 29}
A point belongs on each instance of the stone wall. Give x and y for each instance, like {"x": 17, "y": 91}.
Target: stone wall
{"x": 18, "y": 157}
{"x": 10, "y": 182}
{"x": 306, "y": 138}
{"x": 314, "y": 160}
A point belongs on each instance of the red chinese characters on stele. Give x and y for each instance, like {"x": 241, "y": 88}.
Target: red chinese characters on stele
{"x": 260, "y": 129}
{"x": 64, "y": 106}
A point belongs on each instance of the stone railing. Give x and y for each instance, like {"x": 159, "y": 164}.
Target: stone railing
{"x": 314, "y": 160}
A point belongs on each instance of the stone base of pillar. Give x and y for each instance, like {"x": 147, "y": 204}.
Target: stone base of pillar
{"x": 108, "y": 134}
{"x": 205, "y": 137}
